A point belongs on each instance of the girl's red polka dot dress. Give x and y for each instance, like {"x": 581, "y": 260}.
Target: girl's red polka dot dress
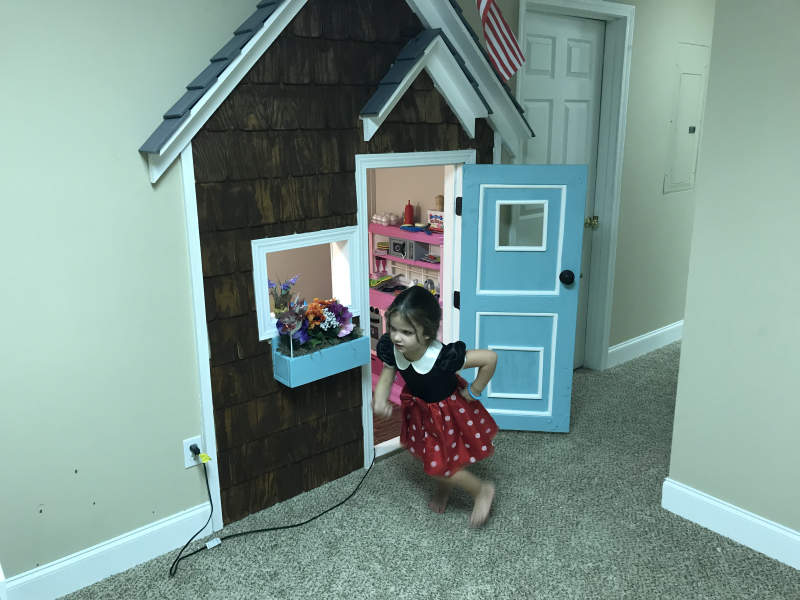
{"x": 439, "y": 426}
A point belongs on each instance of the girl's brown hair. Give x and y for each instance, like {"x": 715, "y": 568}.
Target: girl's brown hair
{"x": 419, "y": 307}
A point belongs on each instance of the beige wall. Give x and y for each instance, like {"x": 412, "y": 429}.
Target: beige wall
{"x": 397, "y": 186}
{"x": 737, "y": 414}
{"x": 98, "y": 383}
{"x": 312, "y": 264}
{"x": 654, "y": 229}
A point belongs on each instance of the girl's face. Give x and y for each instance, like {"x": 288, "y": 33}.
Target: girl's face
{"x": 407, "y": 338}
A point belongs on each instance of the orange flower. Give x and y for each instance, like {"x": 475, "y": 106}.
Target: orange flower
{"x": 314, "y": 314}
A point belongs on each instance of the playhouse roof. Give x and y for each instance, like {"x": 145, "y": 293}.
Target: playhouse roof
{"x": 254, "y": 36}
{"x": 432, "y": 51}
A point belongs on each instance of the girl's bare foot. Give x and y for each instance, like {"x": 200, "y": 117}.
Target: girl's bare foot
{"x": 438, "y": 502}
{"x": 483, "y": 505}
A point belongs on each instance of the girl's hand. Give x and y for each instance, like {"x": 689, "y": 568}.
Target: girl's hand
{"x": 380, "y": 395}
{"x": 382, "y": 407}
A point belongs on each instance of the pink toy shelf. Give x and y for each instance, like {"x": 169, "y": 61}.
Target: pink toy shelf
{"x": 397, "y": 233}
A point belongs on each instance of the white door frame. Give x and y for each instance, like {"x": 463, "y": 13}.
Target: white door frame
{"x": 611, "y": 142}
{"x": 360, "y": 268}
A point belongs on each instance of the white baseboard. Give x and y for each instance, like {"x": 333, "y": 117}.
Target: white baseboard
{"x": 643, "y": 344}
{"x": 89, "y": 566}
{"x": 749, "y": 529}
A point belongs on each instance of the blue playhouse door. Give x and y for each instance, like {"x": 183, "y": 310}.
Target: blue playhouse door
{"x": 521, "y": 235}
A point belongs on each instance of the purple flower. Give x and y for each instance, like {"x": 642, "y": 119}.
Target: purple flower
{"x": 272, "y": 284}
{"x": 301, "y": 335}
{"x": 343, "y": 317}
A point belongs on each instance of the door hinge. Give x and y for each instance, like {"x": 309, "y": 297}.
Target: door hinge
{"x": 456, "y": 299}
{"x": 458, "y": 206}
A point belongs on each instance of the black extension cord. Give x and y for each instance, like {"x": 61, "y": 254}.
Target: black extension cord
{"x": 174, "y": 568}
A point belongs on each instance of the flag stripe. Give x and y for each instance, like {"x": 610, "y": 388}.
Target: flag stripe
{"x": 503, "y": 49}
{"x": 503, "y": 43}
{"x": 505, "y": 30}
{"x": 497, "y": 48}
{"x": 497, "y": 54}
{"x": 498, "y": 68}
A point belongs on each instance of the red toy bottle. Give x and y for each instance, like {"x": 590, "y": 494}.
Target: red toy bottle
{"x": 408, "y": 218}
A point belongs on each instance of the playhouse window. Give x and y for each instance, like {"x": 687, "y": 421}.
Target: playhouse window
{"x": 321, "y": 260}
{"x": 521, "y": 225}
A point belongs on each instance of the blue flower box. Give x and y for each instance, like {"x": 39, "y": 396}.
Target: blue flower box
{"x": 299, "y": 370}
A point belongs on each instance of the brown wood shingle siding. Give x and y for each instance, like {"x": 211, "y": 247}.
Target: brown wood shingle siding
{"x": 278, "y": 157}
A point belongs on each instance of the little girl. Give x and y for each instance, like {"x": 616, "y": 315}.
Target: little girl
{"x": 443, "y": 422}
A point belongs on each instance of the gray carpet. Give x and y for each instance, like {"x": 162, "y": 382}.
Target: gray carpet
{"x": 576, "y": 516}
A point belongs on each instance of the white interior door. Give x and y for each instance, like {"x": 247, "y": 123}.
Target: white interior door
{"x": 560, "y": 89}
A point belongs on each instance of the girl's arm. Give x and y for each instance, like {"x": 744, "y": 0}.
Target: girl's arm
{"x": 486, "y": 361}
{"x": 380, "y": 396}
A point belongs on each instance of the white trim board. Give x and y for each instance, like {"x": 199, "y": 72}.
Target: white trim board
{"x": 611, "y": 144}
{"x": 387, "y": 447}
{"x": 641, "y": 345}
{"x": 742, "y": 526}
{"x": 3, "y": 595}
{"x": 202, "y": 345}
{"x": 118, "y": 554}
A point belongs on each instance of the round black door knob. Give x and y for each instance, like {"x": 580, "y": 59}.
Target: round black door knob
{"x": 566, "y": 277}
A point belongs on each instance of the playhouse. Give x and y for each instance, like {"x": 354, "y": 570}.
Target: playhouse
{"x": 282, "y": 140}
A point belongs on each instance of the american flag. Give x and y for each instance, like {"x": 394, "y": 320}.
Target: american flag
{"x": 500, "y": 41}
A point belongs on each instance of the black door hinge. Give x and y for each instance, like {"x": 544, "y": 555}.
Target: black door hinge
{"x": 456, "y": 299}
{"x": 458, "y": 206}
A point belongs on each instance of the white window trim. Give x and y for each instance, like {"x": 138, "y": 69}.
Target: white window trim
{"x": 345, "y": 287}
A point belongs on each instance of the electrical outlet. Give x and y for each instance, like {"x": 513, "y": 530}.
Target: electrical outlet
{"x": 189, "y": 459}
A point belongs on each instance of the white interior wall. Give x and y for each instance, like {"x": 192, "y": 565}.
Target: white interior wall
{"x": 99, "y": 380}
{"x": 735, "y": 435}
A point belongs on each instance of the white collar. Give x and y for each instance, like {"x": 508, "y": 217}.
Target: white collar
{"x": 424, "y": 363}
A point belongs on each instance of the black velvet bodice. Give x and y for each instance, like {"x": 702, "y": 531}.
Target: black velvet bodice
{"x": 439, "y": 381}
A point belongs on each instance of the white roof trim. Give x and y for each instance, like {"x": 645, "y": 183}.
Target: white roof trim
{"x": 449, "y": 79}
{"x": 505, "y": 118}
{"x": 228, "y": 80}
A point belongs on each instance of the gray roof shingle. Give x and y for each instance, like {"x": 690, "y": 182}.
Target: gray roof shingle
{"x": 176, "y": 116}
{"x": 409, "y": 55}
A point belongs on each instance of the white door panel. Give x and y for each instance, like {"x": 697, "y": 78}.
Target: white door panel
{"x": 560, "y": 90}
